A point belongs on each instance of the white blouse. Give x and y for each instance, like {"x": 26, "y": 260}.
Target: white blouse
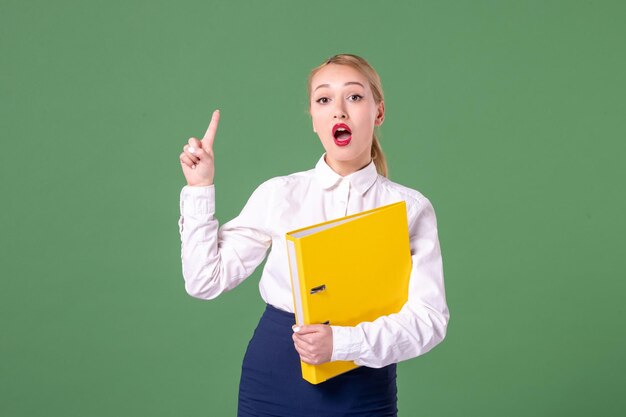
{"x": 216, "y": 259}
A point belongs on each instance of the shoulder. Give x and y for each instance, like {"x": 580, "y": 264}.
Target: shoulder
{"x": 278, "y": 199}
{"x": 286, "y": 183}
{"x": 420, "y": 211}
{"x": 415, "y": 200}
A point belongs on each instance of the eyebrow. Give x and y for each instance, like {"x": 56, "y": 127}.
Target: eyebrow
{"x": 348, "y": 83}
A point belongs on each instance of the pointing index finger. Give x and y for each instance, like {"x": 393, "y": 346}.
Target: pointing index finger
{"x": 209, "y": 136}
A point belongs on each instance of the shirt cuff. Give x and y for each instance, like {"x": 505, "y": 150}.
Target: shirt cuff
{"x": 197, "y": 201}
{"x": 347, "y": 343}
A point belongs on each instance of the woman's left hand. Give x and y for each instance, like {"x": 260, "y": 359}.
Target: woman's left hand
{"x": 314, "y": 343}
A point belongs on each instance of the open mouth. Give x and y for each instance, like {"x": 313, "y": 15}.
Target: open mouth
{"x": 342, "y": 134}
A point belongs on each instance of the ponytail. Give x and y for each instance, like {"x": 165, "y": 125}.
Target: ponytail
{"x": 379, "y": 157}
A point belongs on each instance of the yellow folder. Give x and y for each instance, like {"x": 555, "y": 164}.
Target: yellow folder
{"x": 349, "y": 270}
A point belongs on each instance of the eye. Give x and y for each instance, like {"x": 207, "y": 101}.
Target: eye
{"x": 355, "y": 97}
{"x": 322, "y": 100}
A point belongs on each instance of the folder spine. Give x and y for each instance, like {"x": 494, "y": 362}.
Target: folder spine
{"x": 300, "y": 302}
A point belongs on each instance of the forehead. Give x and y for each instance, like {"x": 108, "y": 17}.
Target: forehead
{"x": 337, "y": 75}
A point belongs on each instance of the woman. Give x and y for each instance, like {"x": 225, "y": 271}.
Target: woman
{"x": 346, "y": 104}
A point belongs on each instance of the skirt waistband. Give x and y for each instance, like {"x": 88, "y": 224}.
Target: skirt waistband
{"x": 278, "y": 316}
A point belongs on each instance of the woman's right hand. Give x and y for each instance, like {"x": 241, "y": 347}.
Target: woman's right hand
{"x": 197, "y": 158}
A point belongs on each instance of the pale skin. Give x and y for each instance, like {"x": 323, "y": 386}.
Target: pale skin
{"x": 340, "y": 94}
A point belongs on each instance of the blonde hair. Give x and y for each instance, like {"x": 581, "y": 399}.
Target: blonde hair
{"x": 373, "y": 78}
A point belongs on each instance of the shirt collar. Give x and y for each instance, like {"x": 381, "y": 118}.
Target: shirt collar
{"x": 361, "y": 180}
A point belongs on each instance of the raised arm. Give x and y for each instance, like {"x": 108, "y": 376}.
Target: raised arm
{"x": 214, "y": 259}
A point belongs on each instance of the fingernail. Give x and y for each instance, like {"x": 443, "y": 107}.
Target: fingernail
{"x": 296, "y": 329}
{"x": 191, "y": 149}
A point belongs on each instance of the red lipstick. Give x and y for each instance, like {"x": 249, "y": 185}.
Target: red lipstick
{"x": 342, "y": 134}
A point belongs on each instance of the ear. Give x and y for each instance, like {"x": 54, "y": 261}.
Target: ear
{"x": 380, "y": 114}
{"x": 309, "y": 113}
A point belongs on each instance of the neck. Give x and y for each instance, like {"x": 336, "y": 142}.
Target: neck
{"x": 345, "y": 168}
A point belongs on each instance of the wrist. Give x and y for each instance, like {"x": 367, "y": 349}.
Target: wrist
{"x": 201, "y": 184}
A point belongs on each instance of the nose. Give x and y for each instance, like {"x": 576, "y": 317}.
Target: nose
{"x": 340, "y": 112}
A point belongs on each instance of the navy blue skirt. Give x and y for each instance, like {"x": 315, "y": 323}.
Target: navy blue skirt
{"x": 272, "y": 385}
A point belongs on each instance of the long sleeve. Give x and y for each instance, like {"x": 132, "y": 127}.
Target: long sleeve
{"x": 422, "y": 322}
{"x": 217, "y": 259}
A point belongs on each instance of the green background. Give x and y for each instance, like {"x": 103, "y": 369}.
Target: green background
{"x": 508, "y": 115}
